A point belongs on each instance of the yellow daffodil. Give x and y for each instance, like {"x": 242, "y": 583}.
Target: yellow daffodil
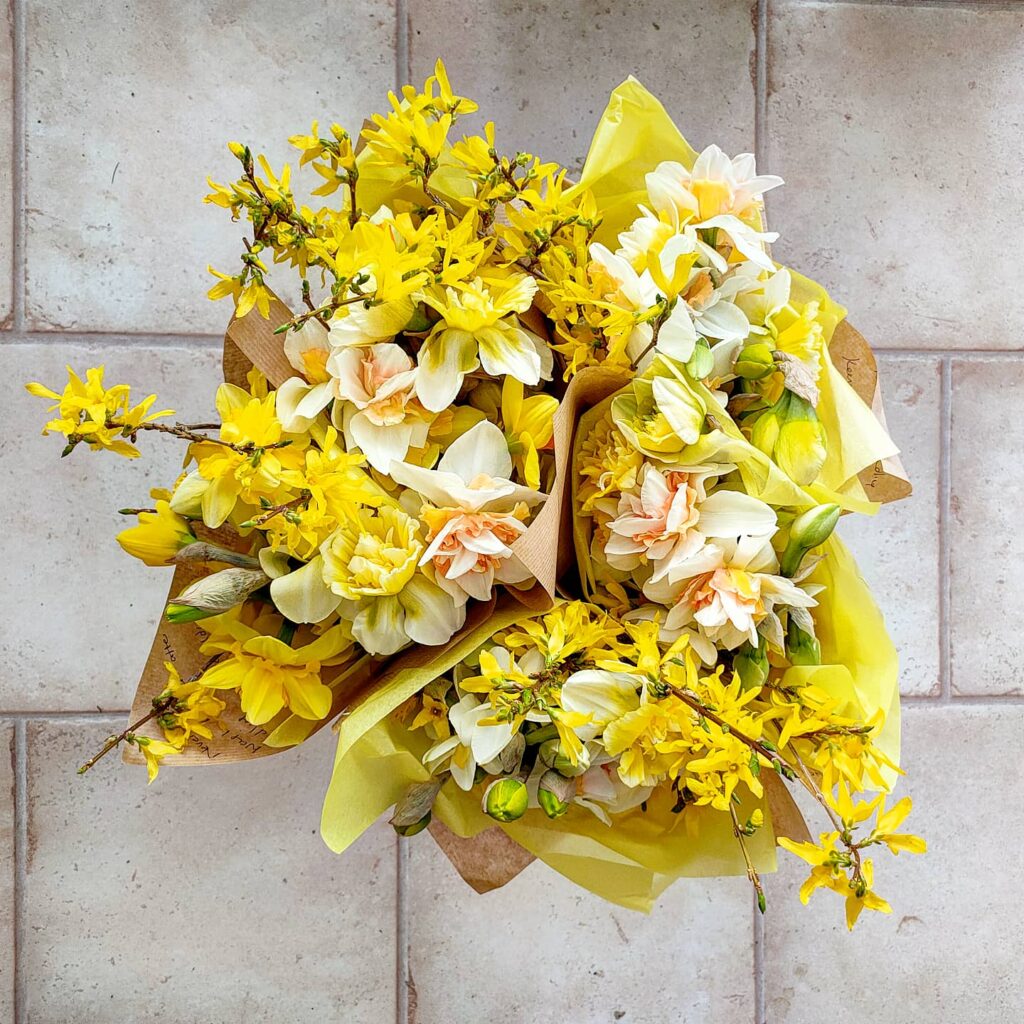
{"x": 529, "y": 426}
{"x": 268, "y": 673}
{"x": 158, "y": 537}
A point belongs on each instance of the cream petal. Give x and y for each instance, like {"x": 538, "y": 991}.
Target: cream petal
{"x": 734, "y": 514}
{"x": 605, "y": 696}
{"x": 431, "y": 616}
{"x": 480, "y": 450}
{"x": 302, "y": 595}
{"x": 381, "y": 445}
{"x": 505, "y": 349}
{"x": 379, "y": 626}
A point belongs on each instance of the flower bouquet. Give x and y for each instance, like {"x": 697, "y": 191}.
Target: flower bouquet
{"x": 533, "y": 499}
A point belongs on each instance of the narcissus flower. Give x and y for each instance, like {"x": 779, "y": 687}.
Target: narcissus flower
{"x": 269, "y": 674}
{"x": 478, "y": 327}
{"x": 473, "y": 513}
{"x": 668, "y": 518}
{"x": 367, "y": 570}
{"x": 726, "y": 590}
{"x": 158, "y": 537}
{"x": 478, "y": 740}
{"x": 381, "y": 415}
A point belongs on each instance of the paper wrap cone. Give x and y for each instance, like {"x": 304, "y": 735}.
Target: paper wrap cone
{"x": 631, "y": 872}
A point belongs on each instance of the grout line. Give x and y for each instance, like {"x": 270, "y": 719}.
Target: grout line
{"x": 945, "y": 513}
{"x": 61, "y": 716}
{"x": 758, "y": 926}
{"x": 968, "y": 5}
{"x": 761, "y": 85}
{"x": 191, "y": 341}
{"x": 20, "y": 868}
{"x": 19, "y": 67}
{"x": 401, "y": 932}
{"x": 403, "y": 60}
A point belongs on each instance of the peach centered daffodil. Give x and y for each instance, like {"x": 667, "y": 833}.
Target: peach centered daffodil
{"x": 473, "y": 513}
{"x": 726, "y": 590}
{"x": 668, "y": 518}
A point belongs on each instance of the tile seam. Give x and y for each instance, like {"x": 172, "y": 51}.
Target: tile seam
{"x": 19, "y": 69}
{"x": 20, "y": 868}
{"x": 945, "y": 506}
{"x": 402, "y": 1015}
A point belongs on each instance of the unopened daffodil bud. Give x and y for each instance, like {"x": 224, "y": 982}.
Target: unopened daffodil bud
{"x": 791, "y": 434}
{"x": 506, "y": 799}
{"x": 159, "y": 536}
{"x": 751, "y": 665}
{"x": 215, "y": 593}
{"x": 702, "y": 362}
{"x": 809, "y": 530}
{"x": 415, "y": 827}
{"x": 553, "y": 756}
{"x": 802, "y": 648}
{"x": 755, "y": 361}
{"x": 554, "y": 793}
{"x": 187, "y": 499}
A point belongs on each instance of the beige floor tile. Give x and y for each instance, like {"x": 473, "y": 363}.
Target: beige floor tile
{"x": 542, "y": 950}
{"x": 949, "y": 953}
{"x": 987, "y": 546}
{"x": 79, "y": 613}
{"x": 898, "y": 549}
{"x": 130, "y": 107}
{"x": 892, "y": 126}
{"x": 543, "y": 71}
{"x": 203, "y": 898}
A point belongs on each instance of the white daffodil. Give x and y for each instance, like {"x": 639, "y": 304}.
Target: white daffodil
{"x": 718, "y": 192}
{"x": 479, "y": 327}
{"x": 380, "y": 414}
{"x": 471, "y": 744}
{"x": 726, "y": 590}
{"x": 299, "y": 400}
{"x": 669, "y": 517}
{"x": 472, "y": 512}
{"x": 669, "y": 267}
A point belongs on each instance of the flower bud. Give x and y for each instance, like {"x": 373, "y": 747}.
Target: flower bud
{"x": 506, "y": 799}
{"x": 702, "y": 362}
{"x": 215, "y": 593}
{"x": 751, "y": 664}
{"x": 553, "y": 756}
{"x": 237, "y": 150}
{"x": 187, "y": 499}
{"x": 415, "y": 827}
{"x": 809, "y": 530}
{"x": 800, "y": 447}
{"x": 802, "y": 648}
{"x": 755, "y": 361}
{"x": 555, "y": 793}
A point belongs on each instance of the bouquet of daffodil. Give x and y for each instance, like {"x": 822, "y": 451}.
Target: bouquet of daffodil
{"x": 535, "y": 497}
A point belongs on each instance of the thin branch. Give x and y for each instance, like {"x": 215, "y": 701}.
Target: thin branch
{"x": 187, "y": 434}
{"x": 752, "y": 874}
